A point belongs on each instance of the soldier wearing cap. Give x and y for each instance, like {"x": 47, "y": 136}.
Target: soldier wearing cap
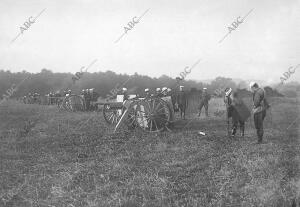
{"x": 260, "y": 105}
{"x": 164, "y": 91}
{"x": 88, "y": 97}
{"x": 147, "y": 93}
{"x": 173, "y": 99}
{"x": 125, "y": 93}
{"x": 182, "y": 101}
{"x": 94, "y": 96}
{"x": 205, "y": 97}
{"x": 158, "y": 92}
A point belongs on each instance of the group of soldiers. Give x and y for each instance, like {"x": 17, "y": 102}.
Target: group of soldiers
{"x": 239, "y": 112}
{"x": 236, "y": 108}
{"x": 90, "y": 96}
{"x": 179, "y": 98}
{"x": 54, "y": 98}
{"x": 32, "y": 98}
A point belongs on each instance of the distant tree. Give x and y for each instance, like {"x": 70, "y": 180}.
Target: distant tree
{"x": 104, "y": 82}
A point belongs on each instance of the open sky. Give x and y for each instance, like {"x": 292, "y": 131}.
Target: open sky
{"x": 170, "y": 36}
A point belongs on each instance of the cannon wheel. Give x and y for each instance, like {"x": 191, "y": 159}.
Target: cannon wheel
{"x": 74, "y": 103}
{"x": 111, "y": 115}
{"x": 131, "y": 118}
{"x": 153, "y": 114}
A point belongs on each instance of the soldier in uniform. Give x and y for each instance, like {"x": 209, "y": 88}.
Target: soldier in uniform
{"x": 173, "y": 99}
{"x": 25, "y": 100}
{"x": 94, "y": 96}
{"x": 260, "y": 105}
{"x": 87, "y": 98}
{"x": 147, "y": 93}
{"x": 182, "y": 101}
{"x": 125, "y": 93}
{"x": 30, "y": 98}
{"x": 57, "y": 96}
{"x": 36, "y": 99}
{"x": 205, "y": 97}
{"x": 158, "y": 92}
{"x": 164, "y": 91}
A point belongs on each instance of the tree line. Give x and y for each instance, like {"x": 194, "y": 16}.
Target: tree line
{"x": 46, "y": 81}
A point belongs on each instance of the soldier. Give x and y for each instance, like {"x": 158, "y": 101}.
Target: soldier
{"x": 205, "y": 97}
{"x": 90, "y": 94}
{"x": 24, "y": 100}
{"x": 57, "y": 99}
{"x": 124, "y": 92}
{"x": 94, "y": 97}
{"x": 87, "y": 98}
{"x": 164, "y": 91}
{"x": 30, "y": 98}
{"x": 35, "y": 98}
{"x": 169, "y": 90}
{"x": 260, "y": 105}
{"x": 157, "y": 91}
{"x": 182, "y": 101}
{"x": 147, "y": 93}
{"x": 173, "y": 99}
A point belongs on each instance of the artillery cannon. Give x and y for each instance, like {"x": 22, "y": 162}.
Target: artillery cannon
{"x": 152, "y": 114}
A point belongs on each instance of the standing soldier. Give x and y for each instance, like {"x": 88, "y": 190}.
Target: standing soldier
{"x": 125, "y": 94}
{"x": 164, "y": 91}
{"x": 205, "y": 97}
{"x": 158, "y": 92}
{"x": 173, "y": 99}
{"x": 58, "y": 99}
{"x": 182, "y": 101}
{"x": 87, "y": 99}
{"x": 169, "y": 90}
{"x": 24, "y": 99}
{"x": 260, "y": 105}
{"x": 147, "y": 93}
{"x": 91, "y": 93}
{"x": 49, "y": 98}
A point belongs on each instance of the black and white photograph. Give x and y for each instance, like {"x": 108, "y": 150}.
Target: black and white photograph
{"x": 149, "y": 103}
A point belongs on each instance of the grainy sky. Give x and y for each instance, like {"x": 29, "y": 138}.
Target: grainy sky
{"x": 173, "y": 34}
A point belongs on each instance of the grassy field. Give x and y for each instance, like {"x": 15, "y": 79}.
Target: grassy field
{"x": 52, "y": 158}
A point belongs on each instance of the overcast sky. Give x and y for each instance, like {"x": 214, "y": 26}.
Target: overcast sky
{"x": 172, "y": 34}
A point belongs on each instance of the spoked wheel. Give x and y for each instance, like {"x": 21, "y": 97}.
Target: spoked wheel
{"x": 153, "y": 115}
{"x": 111, "y": 114}
{"x": 130, "y": 120}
